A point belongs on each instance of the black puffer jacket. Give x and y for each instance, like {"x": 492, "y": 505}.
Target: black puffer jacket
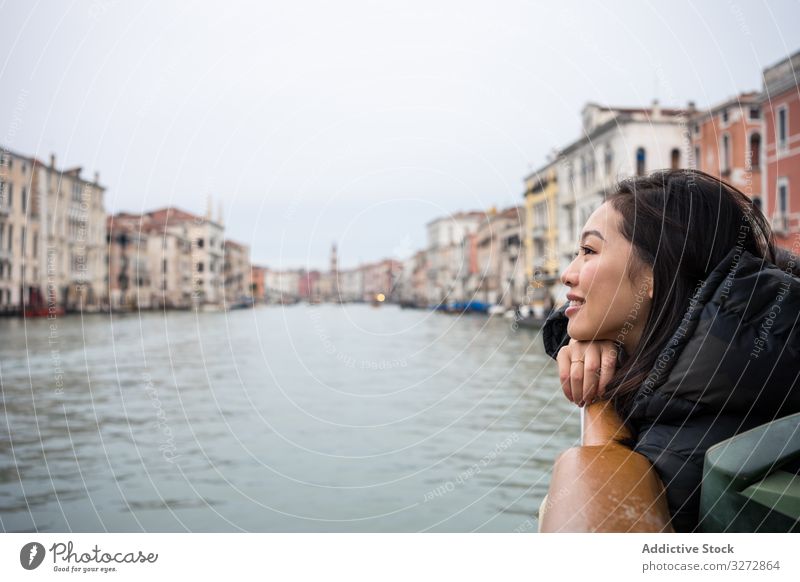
{"x": 733, "y": 363}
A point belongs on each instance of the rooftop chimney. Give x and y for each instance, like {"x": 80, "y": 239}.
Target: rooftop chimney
{"x": 656, "y": 109}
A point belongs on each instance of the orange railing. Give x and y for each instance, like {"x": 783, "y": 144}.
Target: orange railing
{"x": 603, "y": 486}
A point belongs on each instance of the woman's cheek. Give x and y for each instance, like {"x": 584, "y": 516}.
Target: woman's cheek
{"x": 589, "y": 280}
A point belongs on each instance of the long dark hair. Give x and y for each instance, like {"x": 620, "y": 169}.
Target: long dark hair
{"x": 682, "y": 223}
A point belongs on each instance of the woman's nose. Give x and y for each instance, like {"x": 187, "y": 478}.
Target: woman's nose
{"x": 570, "y": 276}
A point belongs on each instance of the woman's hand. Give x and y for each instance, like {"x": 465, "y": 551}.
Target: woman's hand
{"x": 585, "y": 368}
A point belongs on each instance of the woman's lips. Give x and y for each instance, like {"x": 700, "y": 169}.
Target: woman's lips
{"x": 574, "y": 307}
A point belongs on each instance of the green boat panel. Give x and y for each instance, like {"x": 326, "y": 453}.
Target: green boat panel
{"x": 779, "y": 491}
{"x": 744, "y": 488}
{"x": 749, "y": 456}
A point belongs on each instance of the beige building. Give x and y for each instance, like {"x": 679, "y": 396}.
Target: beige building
{"x": 149, "y": 262}
{"x": 351, "y": 284}
{"x": 448, "y": 255}
{"x": 281, "y": 286}
{"x": 128, "y": 272}
{"x": 541, "y": 238}
{"x": 381, "y": 278}
{"x": 237, "y": 272}
{"x": 499, "y": 273}
{"x": 52, "y": 237}
{"x": 205, "y": 238}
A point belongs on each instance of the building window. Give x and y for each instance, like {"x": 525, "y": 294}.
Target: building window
{"x": 757, "y": 203}
{"x": 755, "y": 149}
{"x": 200, "y": 243}
{"x": 724, "y": 154}
{"x": 24, "y": 200}
{"x": 584, "y": 172}
{"x": 783, "y": 196}
{"x": 755, "y": 113}
{"x": 725, "y": 116}
{"x": 697, "y": 158}
{"x": 200, "y": 267}
{"x": 783, "y": 127}
{"x": 609, "y": 161}
{"x": 571, "y": 174}
{"x": 641, "y": 162}
{"x": 697, "y": 129}
{"x": 675, "y": 159}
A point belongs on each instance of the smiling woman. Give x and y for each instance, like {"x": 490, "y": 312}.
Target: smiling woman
{"x": 680, "y": 314}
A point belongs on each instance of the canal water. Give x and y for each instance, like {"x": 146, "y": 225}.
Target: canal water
{"x": 298, "y": 418}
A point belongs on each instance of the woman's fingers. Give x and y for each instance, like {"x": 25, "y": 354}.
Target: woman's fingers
{"x": 576, "y": 373}
{"x": 591, "y": 376}
{"x": 608, "y": 365}
{"x": 563, "y": 359}
{"x": 585, "y": 369}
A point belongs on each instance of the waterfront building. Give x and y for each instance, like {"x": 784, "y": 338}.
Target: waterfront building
{"x": 19, "y": 210}
{"x": 52, "y": 236}
{"x": 129, "y": 285}
{"x": 726, "y": 143}
{"x": 283, "y": 285}
{"x": 412, "y": 284}
{"x": 351, "y": 284}
{"x": 258, "y": 283}
{"x": 498, "y": 277}
{"x": 381, "y": 278}
{"x": 236, "y": 269}
{"x": 158, "y": 259}
{"x": 780, "y": 108}
{"x": 617, "y": 142}
{"x": 448, "y": 256}
{"x": 541, "y": 258}
{"x": 74, "y": 226}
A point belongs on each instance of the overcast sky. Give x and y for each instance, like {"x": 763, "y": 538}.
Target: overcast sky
{"x": 355, "y": 122}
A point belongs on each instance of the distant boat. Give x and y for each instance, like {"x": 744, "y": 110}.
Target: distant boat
{"x": 242, "y": 303}
{"x": 465, "y": 307}
{"x": 496, "y": 310}
{"x": 42, "y": 311}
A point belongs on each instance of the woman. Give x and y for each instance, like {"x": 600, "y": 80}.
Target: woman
{"x": 679, "y": 314}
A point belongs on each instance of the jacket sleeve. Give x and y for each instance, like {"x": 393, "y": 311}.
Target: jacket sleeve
{"x": 677, "y": 452}
{"x": 554, "y": 331}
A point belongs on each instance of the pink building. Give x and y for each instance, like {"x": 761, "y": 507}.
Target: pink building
{"x": 726, "y": 142}
{"x": 781, "y": 179}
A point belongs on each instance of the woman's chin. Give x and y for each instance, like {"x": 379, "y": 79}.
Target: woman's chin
{"x": 583, "y": 333}
{"x": 578, "y": 332}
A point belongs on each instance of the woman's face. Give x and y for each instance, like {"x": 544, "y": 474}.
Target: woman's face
{"x": 606, "y": 303}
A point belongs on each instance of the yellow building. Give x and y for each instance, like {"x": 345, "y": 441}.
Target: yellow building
{"x": 541, "y": 236}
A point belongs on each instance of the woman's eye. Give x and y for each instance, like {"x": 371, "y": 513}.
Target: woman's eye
{"x": 586, "y": 251}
